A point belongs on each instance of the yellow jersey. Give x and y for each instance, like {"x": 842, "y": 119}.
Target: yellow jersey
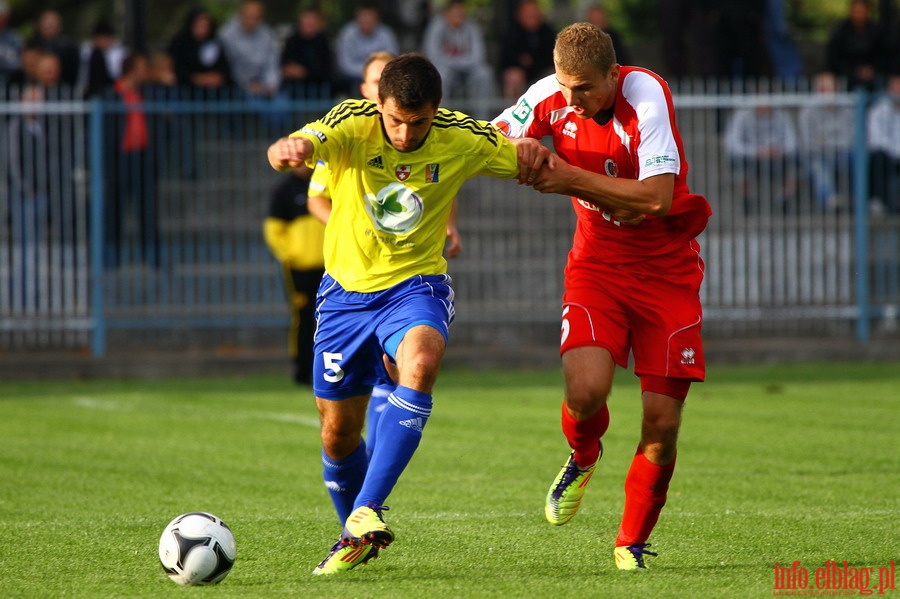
{"x": 390, "y": 209}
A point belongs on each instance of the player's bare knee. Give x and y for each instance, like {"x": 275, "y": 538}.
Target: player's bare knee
{"x": 339, "y": 442}
{"x": 420, "y": 371}
{"x": 583, "y": 401}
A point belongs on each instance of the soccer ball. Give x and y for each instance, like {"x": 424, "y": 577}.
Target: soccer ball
{"x": 197, "y": 549}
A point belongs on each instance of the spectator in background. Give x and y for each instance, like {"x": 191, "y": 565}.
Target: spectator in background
{"x": 102, "y": 60}
{"x": 884, "y": 149}
{"x": 48, "y": 74}
{"x": 172, "y": 141}
{"x": 855, "y": 48}
{"x": 827, "y": 143}
{"x": 198, "y": 55}
{"x": 596, "y": 15}
{"x": 10, "y": 47}
{"x": 742, "y": 53}
{"x": 783, "y": 55}
{"x": 526, "y": 52}
{"x": 761, "y": 142}
{"x": 688, "y": 35}
{"x": 307, "y": 59}
{"x": 295, "y": 237}
{"x": 130, "y": 170}
{"x": 252, "y": 51}
{"x": 50, "y": 38}
{"x": 29, "y": 154}
{"x": 356, "y": 41}
{"x": 31, "y": 55}
{"x": 455, "y": 45}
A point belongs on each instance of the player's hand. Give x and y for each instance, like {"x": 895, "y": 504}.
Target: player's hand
{"x": 454, "y": 242}
{"x": 289, "y": 152}
{"x": 531, "y": 155}
{"x": 554, "y": 177}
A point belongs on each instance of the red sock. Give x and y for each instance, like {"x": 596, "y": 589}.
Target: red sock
{"x": 645, "y": 494}
{"x": 584, "y": 435}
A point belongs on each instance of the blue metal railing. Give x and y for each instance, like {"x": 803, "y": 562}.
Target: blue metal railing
{"x": 213, "y": 183}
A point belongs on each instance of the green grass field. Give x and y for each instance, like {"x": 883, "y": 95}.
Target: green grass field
{"x": 776, "y": 464}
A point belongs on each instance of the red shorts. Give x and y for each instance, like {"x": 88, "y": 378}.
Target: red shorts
{"x": 651, "y": 309}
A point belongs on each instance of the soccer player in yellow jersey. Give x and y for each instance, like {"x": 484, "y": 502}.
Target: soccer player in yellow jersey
{"x": 343, "y": 491}
{"x": 397, "y": 165}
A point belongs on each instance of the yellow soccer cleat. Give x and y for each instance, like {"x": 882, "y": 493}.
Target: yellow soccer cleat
{"x": 367, "y": 525}
{"x": 631, "y": 557}
{"x": 567, "y": 491}
{"x": 345, "y": 555}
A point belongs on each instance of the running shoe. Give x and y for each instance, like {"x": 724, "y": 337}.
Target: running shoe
{"x": 631, "y": 557}
{"x": 345, "y": 555}
{"x": 567, "y": 491}
{"x": 367, "y": 525}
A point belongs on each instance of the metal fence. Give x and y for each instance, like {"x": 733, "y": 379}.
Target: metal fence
{"x": 165, "y": 247}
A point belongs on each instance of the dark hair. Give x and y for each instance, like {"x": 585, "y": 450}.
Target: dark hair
{"x": 129, "y": 62}
{"x": 412, "y": 81}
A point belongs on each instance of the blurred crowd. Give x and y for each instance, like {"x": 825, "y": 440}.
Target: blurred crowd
{"x": 725, "y": 39}
{"x": 248, "y": 57}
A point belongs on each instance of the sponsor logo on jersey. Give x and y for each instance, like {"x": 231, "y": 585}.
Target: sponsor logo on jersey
{"x": 318, "y": 134}
{"x": 376, "y": 163}
{"x": 687, "y": 355}
{"x": 504, "y": 127}
{"x": 395, "y": 209}
{"x": 657, "y": 160}
{"x": 611, "y": 168}
{"x": 432, "y": 172}
{"x": 402, "y": 171}
{"x": 522, "y": 111}
{"x": 569, "y": 129}
{"x": 588, "y": 205}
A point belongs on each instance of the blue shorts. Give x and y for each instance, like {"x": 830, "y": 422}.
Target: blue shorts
{"x": 355, "y": 329}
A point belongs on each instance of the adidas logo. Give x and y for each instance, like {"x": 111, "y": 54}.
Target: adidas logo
{"x": 415, "y": 424}
{"x": 376, "y": 163}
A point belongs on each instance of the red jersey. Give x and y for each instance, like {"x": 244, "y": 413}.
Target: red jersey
{"x": 636, "y": 139}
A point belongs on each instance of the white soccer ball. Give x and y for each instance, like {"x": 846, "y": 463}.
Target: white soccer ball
{"x": 197, "y": 549}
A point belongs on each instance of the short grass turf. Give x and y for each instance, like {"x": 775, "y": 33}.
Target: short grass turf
{"x": 777, "y": 464}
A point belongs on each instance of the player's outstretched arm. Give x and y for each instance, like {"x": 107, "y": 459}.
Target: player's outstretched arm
{"x": 531, "y": 155}
{"x": 651, "y": 196}
{"x": 289, "y": 152}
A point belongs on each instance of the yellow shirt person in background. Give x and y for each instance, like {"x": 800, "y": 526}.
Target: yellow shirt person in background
{"x": 295, "y": 238}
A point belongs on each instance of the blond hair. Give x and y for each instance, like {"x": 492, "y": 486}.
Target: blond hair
{"x": 379, "y": 56}
{"x": 583, "y": 46}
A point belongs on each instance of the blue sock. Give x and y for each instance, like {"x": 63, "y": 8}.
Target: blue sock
{"x": 344, "y": 478}
{"x": 399, "y": 433}
{"x": 377, "y": 404}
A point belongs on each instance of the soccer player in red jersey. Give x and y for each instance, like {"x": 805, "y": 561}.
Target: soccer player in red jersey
{"x": 633, "y": 275}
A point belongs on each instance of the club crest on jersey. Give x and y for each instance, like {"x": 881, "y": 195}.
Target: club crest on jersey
{"x": 395, "y": 209}
{"x": 432, "y": 173}
{"x": 611, "y": 168}
{"x": 402, "y": 171}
